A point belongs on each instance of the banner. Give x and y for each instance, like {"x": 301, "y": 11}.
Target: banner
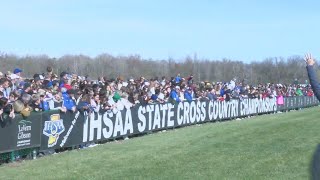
{"x": 154, "y": 117}
{"x": 54, "y": 130}
{"x": 20, "y": 133}
{"x": 61, "y": 129}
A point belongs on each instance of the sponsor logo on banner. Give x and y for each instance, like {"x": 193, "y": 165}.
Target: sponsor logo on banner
{"x": 24, "y": 133}
{"x": 53, "y": 128}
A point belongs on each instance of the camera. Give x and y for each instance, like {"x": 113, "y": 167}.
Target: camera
{"x": 8, "y": 108}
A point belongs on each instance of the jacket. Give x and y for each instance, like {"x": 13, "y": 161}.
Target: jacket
{"x": 314, "y": 81}
{"x": 174, "y": 96}
{"x": 188, "y": 96}
{"x": 68, "y": 102}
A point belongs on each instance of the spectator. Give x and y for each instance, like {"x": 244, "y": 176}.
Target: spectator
{"x": 57, "y": 101}
{"x": 74, "y": 92}
{"x": 36, "y": 104}
{"x": 44, "y": 105}
{"x": 188, "y": 94}
{"x": 84, "y": 104}
{"x": 174, "y": 95}
{"x": 68, "y": 99}
{"x": 212, "y": 95}
{"x": 14, "y": 81}
{"x": 4, "y": 87}
{"x": 190, "y": 80}
{"x": 15, "y": 95}
{"x": 95, "y": 102}
{"x": 7, "y": 110}
{"x": 143, "y": 98}
{"x": 299, "y": 91}
{"x": 178, "y": 79}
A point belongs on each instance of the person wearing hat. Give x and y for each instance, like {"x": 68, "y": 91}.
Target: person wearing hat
{"x": 37, "y": 80}
{"x": 16, "y": 74}
{"x": 17, "y": 71}
{"x": 14, "y": 80}
{"x": 26, "y": 89}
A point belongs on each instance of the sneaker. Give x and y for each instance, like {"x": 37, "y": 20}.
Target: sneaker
{"x": 93, "y": 145}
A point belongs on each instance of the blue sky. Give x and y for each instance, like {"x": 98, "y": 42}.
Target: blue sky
{"x": 240, "y": 30}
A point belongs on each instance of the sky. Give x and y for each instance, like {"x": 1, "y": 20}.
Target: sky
{"x": 244, "y": 30}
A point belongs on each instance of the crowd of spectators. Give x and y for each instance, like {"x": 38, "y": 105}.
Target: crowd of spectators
{"x": 70, "y": 92}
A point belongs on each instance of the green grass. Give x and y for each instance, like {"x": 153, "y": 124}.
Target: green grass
{"x": 277, "y": 146}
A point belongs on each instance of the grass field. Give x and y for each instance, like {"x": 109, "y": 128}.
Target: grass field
{"x": 277, "y": 146}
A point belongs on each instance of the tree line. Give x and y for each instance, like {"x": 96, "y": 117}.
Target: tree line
{"x": 273, "y": 70}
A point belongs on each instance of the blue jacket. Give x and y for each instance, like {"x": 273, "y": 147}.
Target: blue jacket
{"x": 154, "y": 97}
{"x": 68, "y": 101}
{"x": 222, "y": 92}
{"x": 83, "y": 104}
{"x": 44, "y": 105}
{"x": 314, "y": 81}
{"x": 187, "y": 95}
{"x": 174, "y": 95}
{"x": 178, "y": 79}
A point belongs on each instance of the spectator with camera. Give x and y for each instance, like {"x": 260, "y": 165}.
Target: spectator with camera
{"x": 6, "y": 111}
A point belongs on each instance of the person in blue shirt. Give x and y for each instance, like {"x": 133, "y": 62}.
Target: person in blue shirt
{"x": 174, "y": 94}
{"x": 188, "y": 94}
{"x": 178, "y": 79}
{"x": 223, "y": 90}
{"x": 68, "y": 100}
{"x": 44, "y": 105}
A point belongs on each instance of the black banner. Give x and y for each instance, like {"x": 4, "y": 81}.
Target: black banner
{"x": 154, "y": 117}
{"x": 61, "y": 130}
{"x": 20, "y": 133}
{"x": 54, "y": 130}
